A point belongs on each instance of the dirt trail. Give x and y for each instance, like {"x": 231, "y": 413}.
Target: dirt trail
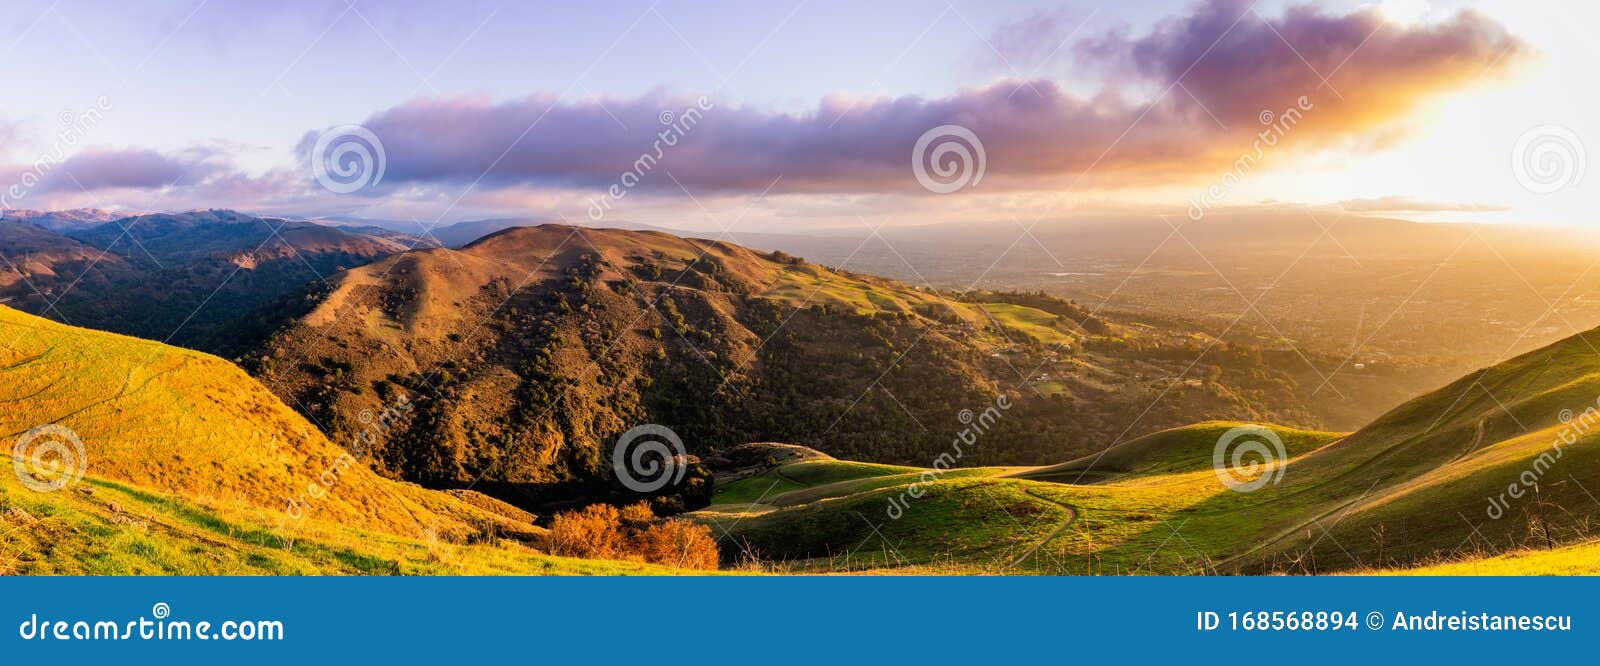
{"x": 779, "y": 471}
{"x": 1072, "y": 517}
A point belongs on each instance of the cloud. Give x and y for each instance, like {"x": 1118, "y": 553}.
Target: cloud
{"x": 1029, "y": 43}
{"x": 1232, "y": 65}
{"x": 103, "y": 169}
{"x": 1361, "y": 66}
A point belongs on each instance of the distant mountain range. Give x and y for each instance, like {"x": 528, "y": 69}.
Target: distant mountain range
{"x": 175, "y": 277}
{"x": 76, "y": 219}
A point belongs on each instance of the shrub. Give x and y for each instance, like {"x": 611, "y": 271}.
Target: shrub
{"x": 601, "y": 531}
{"x": 678, "y": 543}
{"x": 591, "y": 532}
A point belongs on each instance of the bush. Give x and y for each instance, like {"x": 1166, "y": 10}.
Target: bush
{"x": 592, "y": 532}
{"x": 678, "y": 543}
{"x": 601, "y": 531}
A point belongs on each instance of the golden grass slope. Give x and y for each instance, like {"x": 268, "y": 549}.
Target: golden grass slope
{"x": 192, "y": 424}
{"x": 191, "y": 466}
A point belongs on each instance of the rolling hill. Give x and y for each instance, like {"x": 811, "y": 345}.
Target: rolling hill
{"x": 31, "y": 255}
{"x": 189, "y": 466}
{"x": 529, "y": 351}
{"x": 1501, "y": 461}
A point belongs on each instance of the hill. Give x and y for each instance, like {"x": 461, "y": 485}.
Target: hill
{"x": 530, "y": 350}
{"x": 188, "y": 466}
{"x": 1501, "y": 460}
{"x": 182, "y": 278}
{"x": 35, "y": 261}
{"x": 1184, "y": 449}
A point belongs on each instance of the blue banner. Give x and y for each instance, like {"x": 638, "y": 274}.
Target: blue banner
{"x": 792, "y": 620}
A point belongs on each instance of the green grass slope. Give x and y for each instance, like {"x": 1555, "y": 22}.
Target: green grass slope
{"x": 1414, "y": 488}
{"x": 1182, "y": 449}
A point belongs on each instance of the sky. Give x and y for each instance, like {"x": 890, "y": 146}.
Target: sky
{"x": 798, "y": 115}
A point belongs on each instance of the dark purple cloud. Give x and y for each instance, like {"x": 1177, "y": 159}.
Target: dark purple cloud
{"x": 102, "y": 169}
{"x": 1237, "y": 62}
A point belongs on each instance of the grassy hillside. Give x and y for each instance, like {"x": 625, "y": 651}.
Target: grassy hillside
{"x": 1184, "y": 449}
{"x": 190, "y": 466}
{"x": 1582, "y": 559}
{"x": 1504, "y": 460}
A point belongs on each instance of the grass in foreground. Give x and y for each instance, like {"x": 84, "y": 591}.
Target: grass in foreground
{"x": 100, "y": 527}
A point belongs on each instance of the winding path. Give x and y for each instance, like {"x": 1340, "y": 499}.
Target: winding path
{"x": 1072, "y": 517}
